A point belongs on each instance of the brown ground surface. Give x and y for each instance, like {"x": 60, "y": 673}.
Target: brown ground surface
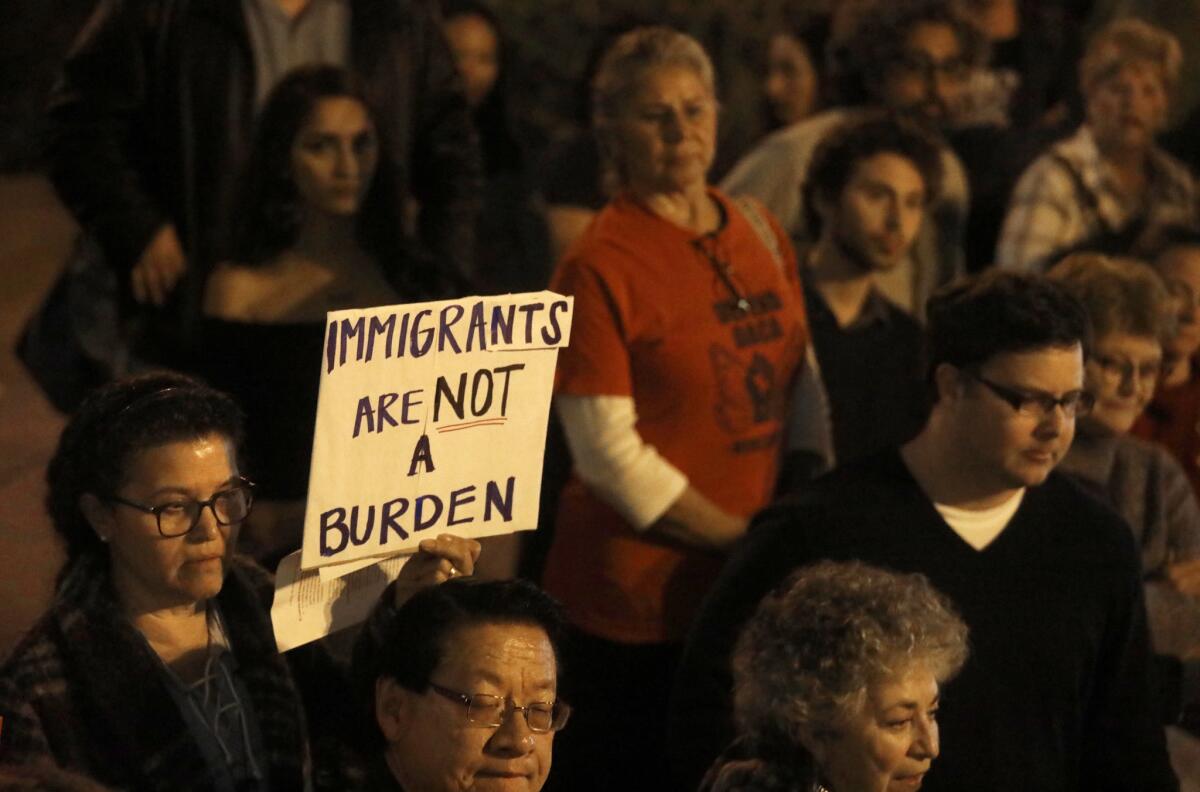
{"x": 35, "y": 236}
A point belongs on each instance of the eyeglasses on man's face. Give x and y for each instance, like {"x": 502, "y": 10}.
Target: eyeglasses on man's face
{"x": 1036, "y": 404}
{"x": 178, "y": 517}
{"x": 492, "y": 711}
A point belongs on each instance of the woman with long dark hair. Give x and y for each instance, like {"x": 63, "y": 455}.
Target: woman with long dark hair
{"x": 317, "y": 230}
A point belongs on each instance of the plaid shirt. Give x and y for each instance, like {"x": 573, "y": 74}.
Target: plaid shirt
{"x": 84, "y": 690}
{"x": 1069, "y": 199}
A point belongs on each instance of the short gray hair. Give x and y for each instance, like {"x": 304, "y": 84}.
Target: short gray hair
{"x": 806, "y": 659}
{"x": 1121, "y": 295}
{"x": 627, "y": 61}
{"x": 1123, "y": 41}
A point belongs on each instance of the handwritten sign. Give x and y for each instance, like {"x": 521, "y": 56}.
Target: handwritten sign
{"x": 431, "y": 418}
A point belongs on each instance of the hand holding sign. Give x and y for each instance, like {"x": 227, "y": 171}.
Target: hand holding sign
{"x": 431, "y": 420}
{"x": 436, "y": 561}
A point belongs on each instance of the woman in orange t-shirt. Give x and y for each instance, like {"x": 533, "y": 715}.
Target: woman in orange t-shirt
{"x": 687, "y": 339}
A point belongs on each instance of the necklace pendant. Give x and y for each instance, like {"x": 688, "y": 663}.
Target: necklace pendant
{"x": 743, "y": 305}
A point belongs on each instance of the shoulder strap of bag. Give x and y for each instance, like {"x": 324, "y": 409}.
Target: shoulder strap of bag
{"x": 753, "y": 212}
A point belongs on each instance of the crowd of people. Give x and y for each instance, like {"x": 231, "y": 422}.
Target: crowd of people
{"x": 891, "y": 434}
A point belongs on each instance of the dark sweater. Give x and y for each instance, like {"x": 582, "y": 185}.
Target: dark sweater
{"x": 1056, "y": 694}
{"x": 872, "y": 373}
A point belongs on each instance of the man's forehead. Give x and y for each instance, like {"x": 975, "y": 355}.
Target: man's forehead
{"x": 1045, "y": 367}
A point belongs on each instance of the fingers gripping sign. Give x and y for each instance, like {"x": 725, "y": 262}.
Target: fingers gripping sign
{"x": 436, "y": 561}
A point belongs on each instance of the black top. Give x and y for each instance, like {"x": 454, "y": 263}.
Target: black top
{"x": 1056, "y": 693}
{"x": 571, "y": 174}
{"x": 872, "y": 370}
{"x": 274, "y": 373}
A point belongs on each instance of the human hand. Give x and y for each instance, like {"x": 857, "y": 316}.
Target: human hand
{"x": 160, "y": 267}
{"x": 436, "y": 561}
{"x": 1185, "y": 576}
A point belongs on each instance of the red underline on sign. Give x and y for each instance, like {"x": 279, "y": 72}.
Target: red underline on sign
{"x": 469, "y": 424}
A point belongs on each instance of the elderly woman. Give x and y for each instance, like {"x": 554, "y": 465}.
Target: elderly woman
{"x": 1131, "y": 316}
{"x": 1109, "y": 187}
{"x": 155, "y": 666}
{"x": 837, "y": 681}
{"x": 688, "y": 334}
{"x": 463, "y": 683}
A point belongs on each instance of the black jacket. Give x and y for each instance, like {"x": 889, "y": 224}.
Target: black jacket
{"x": 153, "y": 115}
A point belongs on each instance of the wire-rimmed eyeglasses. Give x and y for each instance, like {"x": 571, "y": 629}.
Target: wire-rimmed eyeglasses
{"x": 484, "y": 709}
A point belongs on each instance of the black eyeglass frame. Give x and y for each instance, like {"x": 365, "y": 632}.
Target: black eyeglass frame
{"x": 1075, "y": 404}
{"x": 560, "y": 711}
{"x": 244, "y": 484}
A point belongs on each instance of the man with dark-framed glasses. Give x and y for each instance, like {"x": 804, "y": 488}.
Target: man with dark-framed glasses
{"x": 1056, "y": 695}
{"x": 462, "y": 682}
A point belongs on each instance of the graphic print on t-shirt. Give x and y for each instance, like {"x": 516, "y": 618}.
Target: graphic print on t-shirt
{"x": 748, "y": 391}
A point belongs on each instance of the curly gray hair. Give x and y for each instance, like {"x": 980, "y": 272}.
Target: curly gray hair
{"x": 806, "y": 659}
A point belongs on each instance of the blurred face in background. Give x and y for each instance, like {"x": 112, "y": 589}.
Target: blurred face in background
{"x": 334, "y": 156}
{"x": 476, "y": 50}
{"x": 791, "y": 82}
{"x": 666, "y": 138}
{"x": 1122, "y": 373}
{"x": 1126, "y": 109}
{"x": 1180, "y": 268}
{"x": 879, "y": 212}
{"x": 927, "y": 77}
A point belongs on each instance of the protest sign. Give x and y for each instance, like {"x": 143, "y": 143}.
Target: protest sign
{"x": 306, "y": 608}
{"x": 431, "y": 419}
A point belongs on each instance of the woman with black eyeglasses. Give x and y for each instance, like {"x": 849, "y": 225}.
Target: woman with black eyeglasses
{"x": 1132, "y": 316}
{"x": 155, "y": 666}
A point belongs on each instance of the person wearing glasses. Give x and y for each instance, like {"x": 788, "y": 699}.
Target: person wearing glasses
{"x": 462, "y": 687}
{"x": 1057, "y": 693}
{"x": 911, "y": 58}
{"x": 1132, "y": 319}
{"x": 155, "y": 666}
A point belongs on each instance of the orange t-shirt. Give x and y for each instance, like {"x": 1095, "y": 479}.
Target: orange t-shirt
{"x": 654, "y": 320}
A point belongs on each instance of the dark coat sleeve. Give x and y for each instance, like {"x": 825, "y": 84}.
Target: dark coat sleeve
{"x": 447, "y": 166}
{"x": 96, "y": 162}
{"x": 1125, "y": 743}
{"x": 700, "y": 722}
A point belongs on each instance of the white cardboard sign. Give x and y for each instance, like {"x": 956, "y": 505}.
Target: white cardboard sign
{"x": 431, "y": 419}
